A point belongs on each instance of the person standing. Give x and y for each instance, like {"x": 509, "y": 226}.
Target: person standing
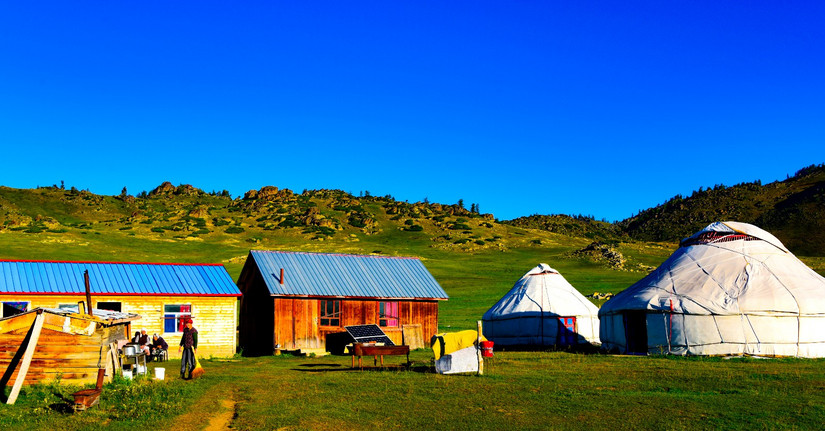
{"x": 189, "y": 345}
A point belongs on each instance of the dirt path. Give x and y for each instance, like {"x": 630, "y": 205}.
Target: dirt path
{"x": 224, "y": 418}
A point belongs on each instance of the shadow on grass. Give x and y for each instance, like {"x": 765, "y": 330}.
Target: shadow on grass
{"x": 319, "y": 365}
{"x": 325, "y": 368}
{"x": 587, "y": 349}
{"x": 65, "y": 408}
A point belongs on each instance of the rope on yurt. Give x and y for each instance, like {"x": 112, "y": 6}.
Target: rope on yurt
{"x": 796, "y": 301}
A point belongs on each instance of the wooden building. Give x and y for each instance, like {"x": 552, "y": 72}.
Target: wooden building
{"x": 66, "y": 345}
{"x": 294, "y": 300}
{"x": 164, "y": 295}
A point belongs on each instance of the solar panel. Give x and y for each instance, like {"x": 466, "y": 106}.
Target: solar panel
{"x": 368, "y": 333}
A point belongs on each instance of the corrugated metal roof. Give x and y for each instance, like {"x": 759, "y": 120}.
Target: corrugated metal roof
{"x": 346, "y": 275}
{"x": 115, "y": 278}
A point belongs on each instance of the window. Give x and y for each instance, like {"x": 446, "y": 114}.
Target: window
{"x": 111, "y": 306}
{"x": 11, "y": 308}
{"x": 175, "y": 316}
{"x": 330, "y": 312}
{"x": 388, "y": 314}
{"x": 68, "y": 307}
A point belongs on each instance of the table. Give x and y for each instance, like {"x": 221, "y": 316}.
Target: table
{"x": 362, "y": 349}
{"x": 137, "y": 358}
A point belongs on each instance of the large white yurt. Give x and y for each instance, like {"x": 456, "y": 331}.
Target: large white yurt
{"x": 542, "y": 309}
{"x": 729, "y": 289}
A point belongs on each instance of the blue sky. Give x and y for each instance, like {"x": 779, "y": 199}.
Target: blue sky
{"x": 524, "y": 107}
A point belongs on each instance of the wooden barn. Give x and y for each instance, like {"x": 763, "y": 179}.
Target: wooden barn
{"x": 65, "y": 345}
{"x": 163, "y": 294}
{"x": 294, "y": 300}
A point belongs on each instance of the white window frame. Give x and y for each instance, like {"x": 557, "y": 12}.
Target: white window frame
{"x": 178, "y": 315}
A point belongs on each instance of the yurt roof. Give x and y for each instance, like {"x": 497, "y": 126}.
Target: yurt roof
{"x": 542, "y": 290}
{"x": 727, "y": 268}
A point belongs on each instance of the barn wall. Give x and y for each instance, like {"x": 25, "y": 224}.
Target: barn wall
{"x": 214, "y": 317}
{"x": 295, "y": 323}
{"x": 69, "y": 358}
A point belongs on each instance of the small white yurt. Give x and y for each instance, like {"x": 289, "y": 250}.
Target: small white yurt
{"x": 729, "y": 289}
{"x": 542, "y": 309}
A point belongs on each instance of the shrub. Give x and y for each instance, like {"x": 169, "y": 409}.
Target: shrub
{"x": 414, "y": 228}
{"x": 480, "y": 242}
{"x": 220, "y": 222}
{"x": 202, "y": 231}
{"x": 290, "y": 221}
{"x": 234, "y": 229}
{"x": 158, "y": 229}
{"x": 462, "y": 241}
{"x": 460, "y": 226}
{"x": 125, "y": 228}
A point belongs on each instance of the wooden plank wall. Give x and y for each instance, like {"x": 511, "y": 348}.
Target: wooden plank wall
{"x": 296, "y": 320}
{"x": 215, "y": 317}
{"x": 72, "y": 358}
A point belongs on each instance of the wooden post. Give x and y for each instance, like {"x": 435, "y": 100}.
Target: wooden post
{"x": 478, "y": 351}
{"x": 88, "y": 293}
{"x": 27, "y": 357}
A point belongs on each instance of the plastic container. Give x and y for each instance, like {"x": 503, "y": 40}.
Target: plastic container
{"x": 160, "y": 373}
{"x": 487, "y": 349}
{"x": 127, "y": 374}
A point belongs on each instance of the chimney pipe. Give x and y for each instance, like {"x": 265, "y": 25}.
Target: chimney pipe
{"x": 88, "y": 293}
{"x": 282, "y": 276}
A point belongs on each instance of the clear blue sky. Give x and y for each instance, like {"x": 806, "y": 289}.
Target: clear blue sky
{"x": 524, "y": 107}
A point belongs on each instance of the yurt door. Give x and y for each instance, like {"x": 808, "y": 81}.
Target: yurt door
{"x": 635, "y": 330}
{"x": 567, "y": 331}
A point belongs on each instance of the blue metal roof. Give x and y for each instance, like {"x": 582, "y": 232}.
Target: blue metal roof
{"x": 114, "y": 278}
{"x": 346, "y": 275}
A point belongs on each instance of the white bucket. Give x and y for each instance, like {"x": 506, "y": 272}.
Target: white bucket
{"x": 141, "y": 369}
{"x": 160, "y": 373}
{"x": 127, "y": 374}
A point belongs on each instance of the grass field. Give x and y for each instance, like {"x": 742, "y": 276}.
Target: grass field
{"x": 521, "y": 390}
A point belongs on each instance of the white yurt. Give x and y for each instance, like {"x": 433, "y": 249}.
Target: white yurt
{"x": 729, "y": 289}
{"x": 542, "y": 309}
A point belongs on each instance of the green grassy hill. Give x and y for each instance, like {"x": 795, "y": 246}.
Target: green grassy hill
{"x": 474, "y": 257}
{"x": 793, "y": 210}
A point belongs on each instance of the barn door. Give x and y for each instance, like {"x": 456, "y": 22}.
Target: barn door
{"x": 567, "y": 331}
{"x": 635, "y": 331}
